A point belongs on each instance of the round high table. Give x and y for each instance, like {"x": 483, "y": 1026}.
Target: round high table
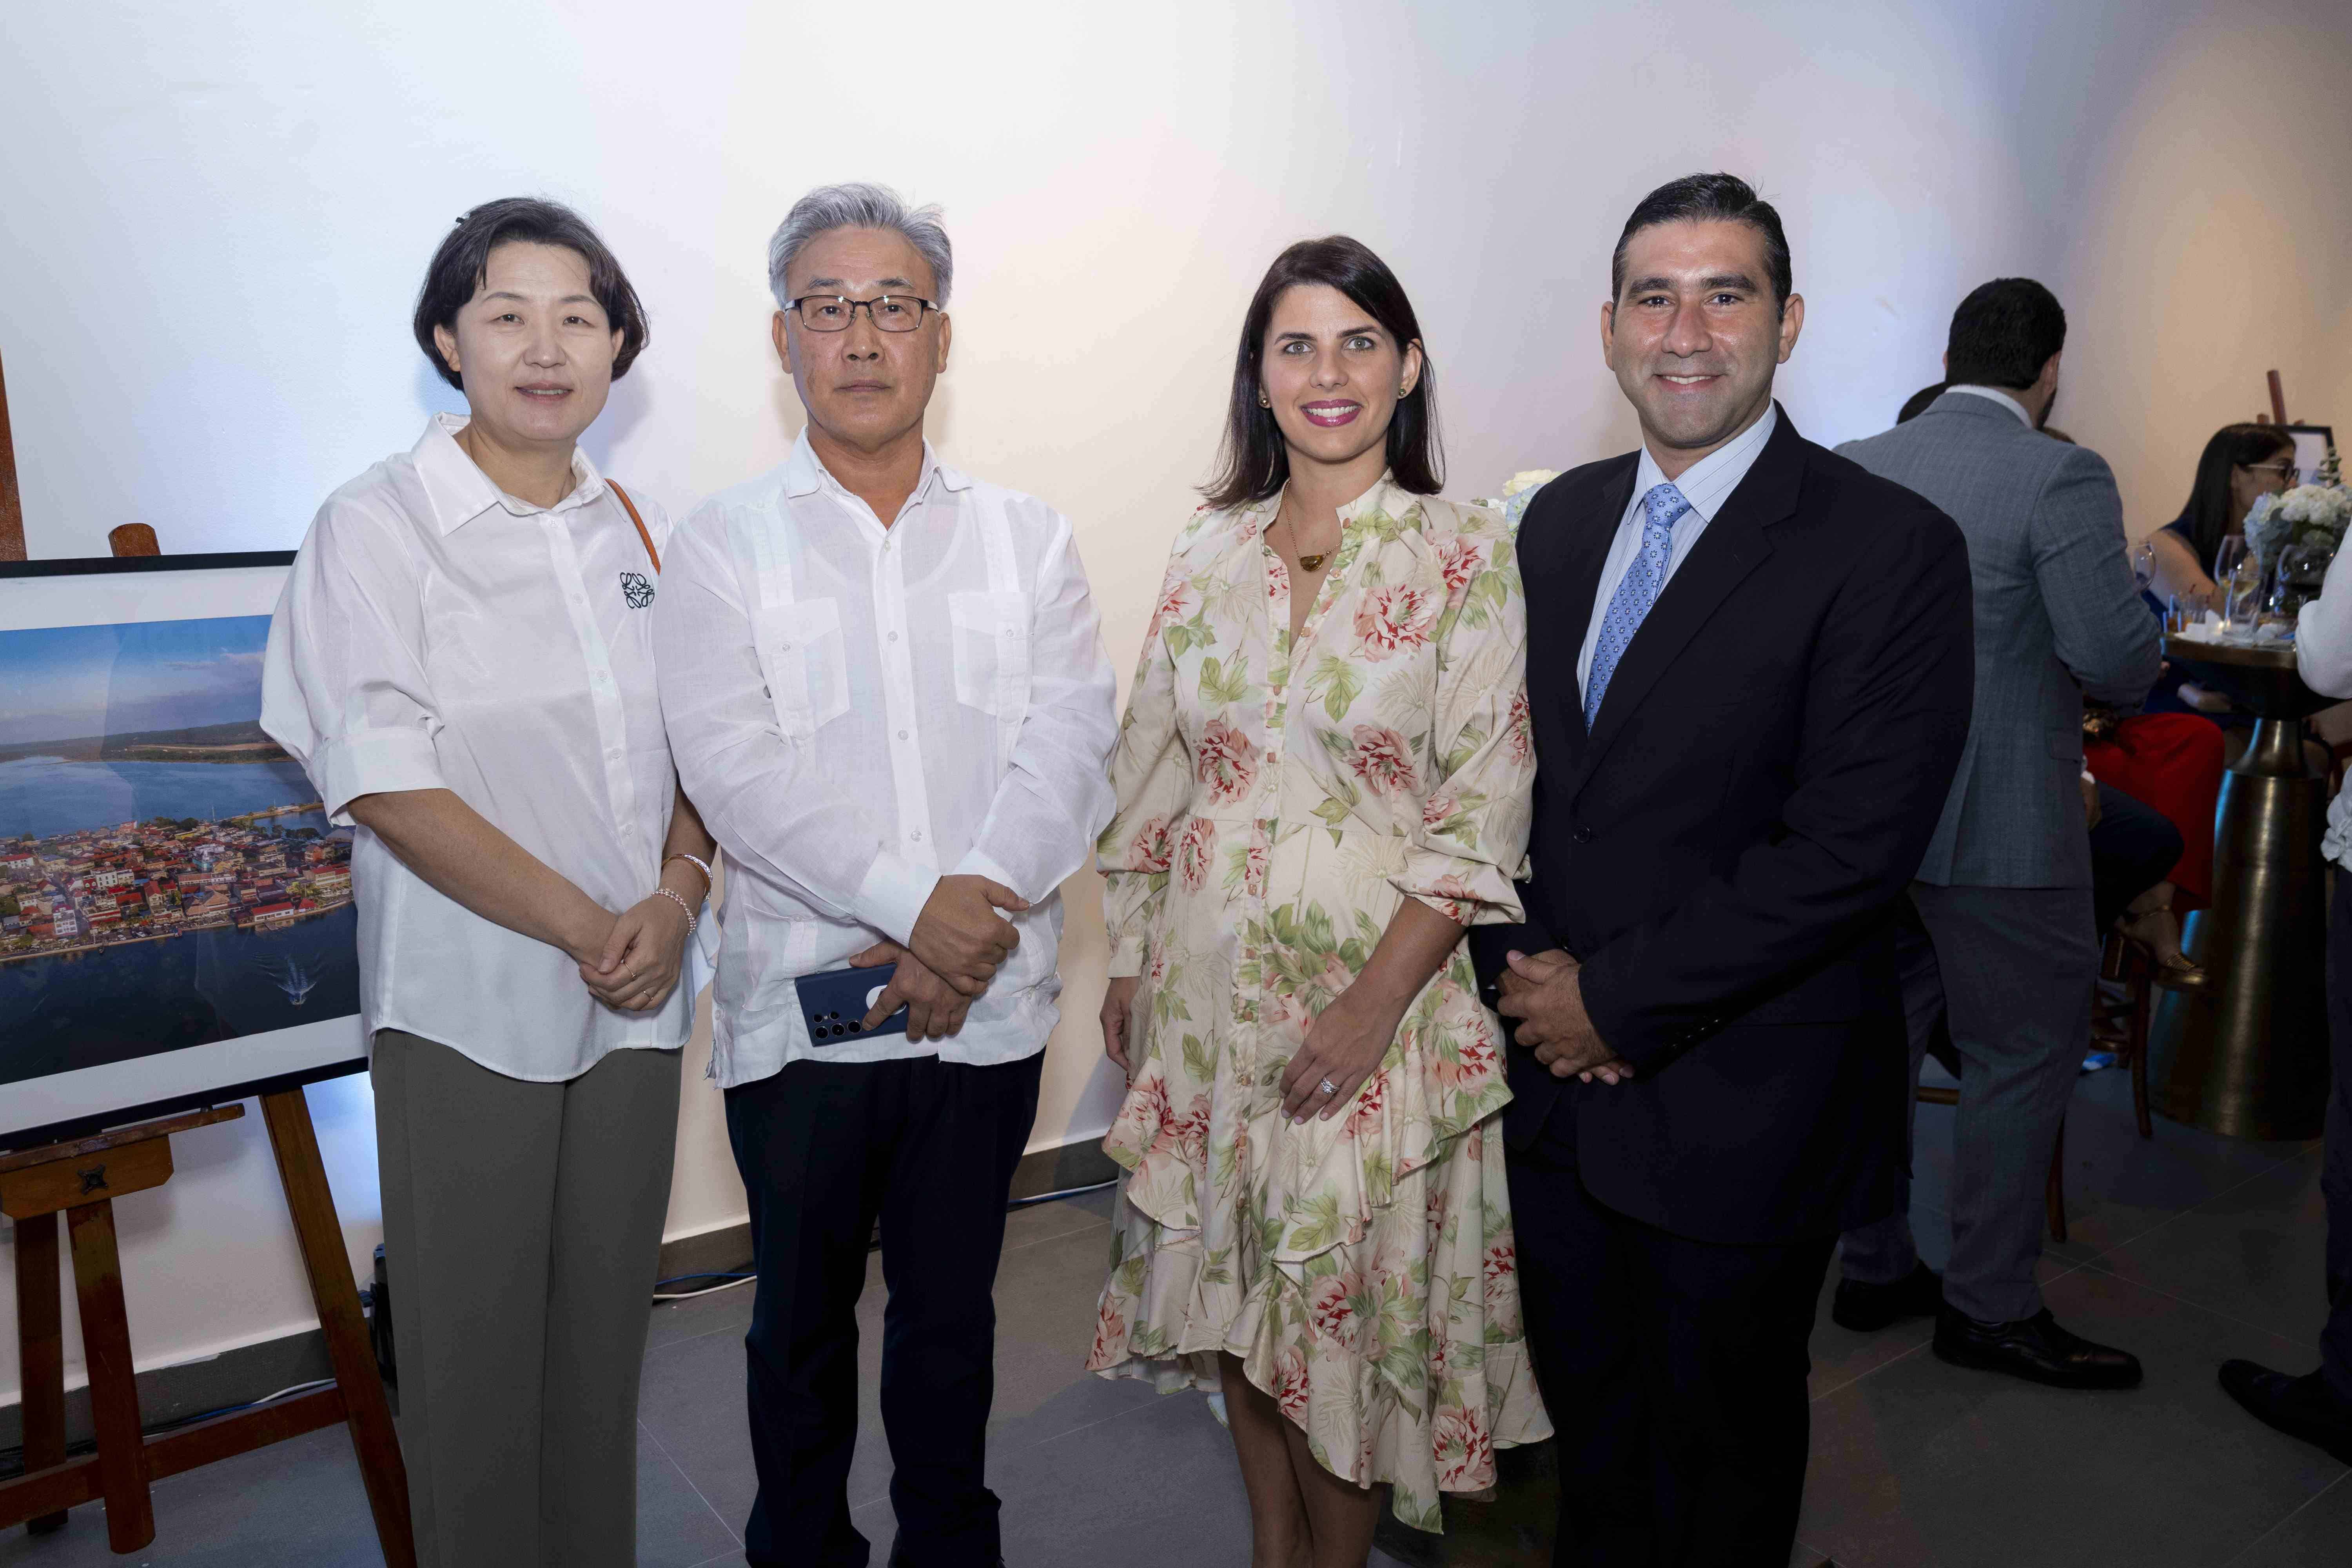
{"x": 2247, "y": 1056}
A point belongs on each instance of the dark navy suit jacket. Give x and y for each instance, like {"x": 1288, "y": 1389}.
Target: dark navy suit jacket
{"x": 1725, "y": 851}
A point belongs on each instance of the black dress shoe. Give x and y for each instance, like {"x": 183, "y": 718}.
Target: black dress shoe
{"x": 2303, "y": 1407}
{"x": 2035, "y": 1349}
{"x": 1865, "y": 1307}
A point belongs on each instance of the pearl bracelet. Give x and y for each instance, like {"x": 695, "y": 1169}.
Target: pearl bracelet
{"x": 681, "y": 903}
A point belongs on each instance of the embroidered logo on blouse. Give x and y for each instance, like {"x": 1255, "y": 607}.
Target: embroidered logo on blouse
{"x": 637, "y": 589}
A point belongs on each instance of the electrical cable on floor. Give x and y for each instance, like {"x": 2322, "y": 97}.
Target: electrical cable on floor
{"x": 251, "y": 1404}
{"x": 1065, "y": 1192}
{"x": 731, "y": 1279}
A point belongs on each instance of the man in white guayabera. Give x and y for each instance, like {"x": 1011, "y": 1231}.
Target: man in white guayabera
{"x": 886, "y": 689}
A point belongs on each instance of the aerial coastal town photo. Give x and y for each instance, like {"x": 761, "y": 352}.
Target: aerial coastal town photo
{"x": 143, "y": 881}
{"x": 168, "y": 876}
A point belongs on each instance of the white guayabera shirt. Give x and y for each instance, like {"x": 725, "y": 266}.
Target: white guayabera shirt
{"x": 437, "y": 634}
{"x": 856, "y": 709}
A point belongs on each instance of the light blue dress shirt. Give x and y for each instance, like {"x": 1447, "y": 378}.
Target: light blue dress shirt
{"x": 1705, "y": 484}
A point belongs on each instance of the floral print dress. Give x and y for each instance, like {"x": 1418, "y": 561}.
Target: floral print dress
{"x": 1278, "y": 803}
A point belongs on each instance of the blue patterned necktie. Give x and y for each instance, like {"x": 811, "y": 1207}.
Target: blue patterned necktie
{"x": 1636, "y": 590}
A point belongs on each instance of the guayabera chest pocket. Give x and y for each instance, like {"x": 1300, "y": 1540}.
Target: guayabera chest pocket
{"x": 803, "y": 661}
{"x": 992, "y": 651}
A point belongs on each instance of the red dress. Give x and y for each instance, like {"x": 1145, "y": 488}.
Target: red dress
{"x": 2173, "y": 762}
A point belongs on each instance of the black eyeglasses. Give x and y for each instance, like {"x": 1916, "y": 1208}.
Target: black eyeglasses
{"x": 833, "y": 312}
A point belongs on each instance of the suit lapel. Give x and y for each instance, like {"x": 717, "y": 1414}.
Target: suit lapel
{"x": 1579, "y": 545}
{"x": 1734, "y": 544}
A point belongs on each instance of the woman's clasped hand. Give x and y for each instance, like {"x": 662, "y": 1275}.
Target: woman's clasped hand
{"x": 643, "y": 955}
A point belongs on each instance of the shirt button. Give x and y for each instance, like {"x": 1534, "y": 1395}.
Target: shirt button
{"x": 902, "y": 734}
{"x": 894, "y": 637}
{"x": 917, "y": 835}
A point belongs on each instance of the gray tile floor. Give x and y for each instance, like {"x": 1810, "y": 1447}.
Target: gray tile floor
{"x": 2186, "y": 1249}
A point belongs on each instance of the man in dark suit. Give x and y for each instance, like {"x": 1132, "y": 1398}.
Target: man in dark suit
{"x": 1750, "y": 682}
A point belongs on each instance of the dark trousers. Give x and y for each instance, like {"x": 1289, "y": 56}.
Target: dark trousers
{"x": 825, "y": 1149}
{"x": 1674, "y": 1370}
{"x": 2133, "y": 848}
{"x": 2336, "y": 1169}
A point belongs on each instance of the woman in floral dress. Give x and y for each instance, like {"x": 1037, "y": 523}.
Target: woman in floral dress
{"x": 1323, "y": 777}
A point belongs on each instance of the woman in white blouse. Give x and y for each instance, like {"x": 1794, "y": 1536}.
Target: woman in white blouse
{"x": 463, "y": 661}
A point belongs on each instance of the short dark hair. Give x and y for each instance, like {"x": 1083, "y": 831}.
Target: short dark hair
{"x": 1255, "y": 462}
{"x": 2208, "y": 512}
{"x": 1725, "y": 197}
{"x": 457, "y": 269}
{"x": 2003, "y": 333}
{"x": 1916, "y": 404}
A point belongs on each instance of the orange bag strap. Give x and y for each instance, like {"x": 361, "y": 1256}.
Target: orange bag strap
{"x": 631, "y": 508}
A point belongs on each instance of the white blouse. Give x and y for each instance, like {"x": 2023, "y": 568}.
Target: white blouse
{"x": 437, "y": 634}
{"x": 856, "y": 709}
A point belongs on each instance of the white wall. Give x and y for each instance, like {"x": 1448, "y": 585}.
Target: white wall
{"x": 2202, "y": 205}
{"x": 219, "y": 214}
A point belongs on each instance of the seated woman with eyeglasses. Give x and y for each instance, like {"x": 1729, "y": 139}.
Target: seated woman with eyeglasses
{"x": 2241, "y": 464}
{"x": 2171, "y": 754}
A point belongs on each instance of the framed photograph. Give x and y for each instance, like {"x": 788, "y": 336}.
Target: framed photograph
{"x": 176, "y": 924}
{"x": 2311, "y": 445}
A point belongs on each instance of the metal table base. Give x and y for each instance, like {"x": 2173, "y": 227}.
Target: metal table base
{"x": 2247, "y": 1057}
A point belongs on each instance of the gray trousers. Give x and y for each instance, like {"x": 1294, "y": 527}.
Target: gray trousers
{"x": 2008, "y": 971}
{"x": 521, "y": 1233}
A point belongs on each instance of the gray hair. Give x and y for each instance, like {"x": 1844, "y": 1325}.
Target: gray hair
{"x": 859, "y": 206}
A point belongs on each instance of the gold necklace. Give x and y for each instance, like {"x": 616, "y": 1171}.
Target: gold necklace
{"x": 1306, "y": 563}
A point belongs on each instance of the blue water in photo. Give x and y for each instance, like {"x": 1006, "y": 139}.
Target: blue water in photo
{"x": 45, "y": 797}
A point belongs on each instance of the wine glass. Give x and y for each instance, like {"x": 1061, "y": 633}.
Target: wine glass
{"x": 2231, "y": 551}
{"x": 2244, "y": 587}
{"x": 2143, "y": 564}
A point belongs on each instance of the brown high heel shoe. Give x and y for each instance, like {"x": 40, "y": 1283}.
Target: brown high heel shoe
{"x": 2157, "y": 931}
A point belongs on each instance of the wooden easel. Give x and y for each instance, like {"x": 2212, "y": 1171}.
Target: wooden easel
{"x": 80, "y": 1178}
{"x": 11, "y": 510}
{"x": 131, "y": 538}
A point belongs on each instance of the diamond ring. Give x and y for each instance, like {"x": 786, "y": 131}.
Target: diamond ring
{"x": 1327, "y": 1087}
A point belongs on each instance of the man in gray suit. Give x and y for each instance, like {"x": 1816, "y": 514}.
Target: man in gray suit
{"x": 2004, "y": 950}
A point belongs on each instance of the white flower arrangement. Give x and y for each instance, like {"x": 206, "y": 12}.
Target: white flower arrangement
{"x": 2301, "y": 514}
{"x": 2294, "y": 535}
{"x": 1518, "y": 491}
{"x": 2265, "y": 528}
